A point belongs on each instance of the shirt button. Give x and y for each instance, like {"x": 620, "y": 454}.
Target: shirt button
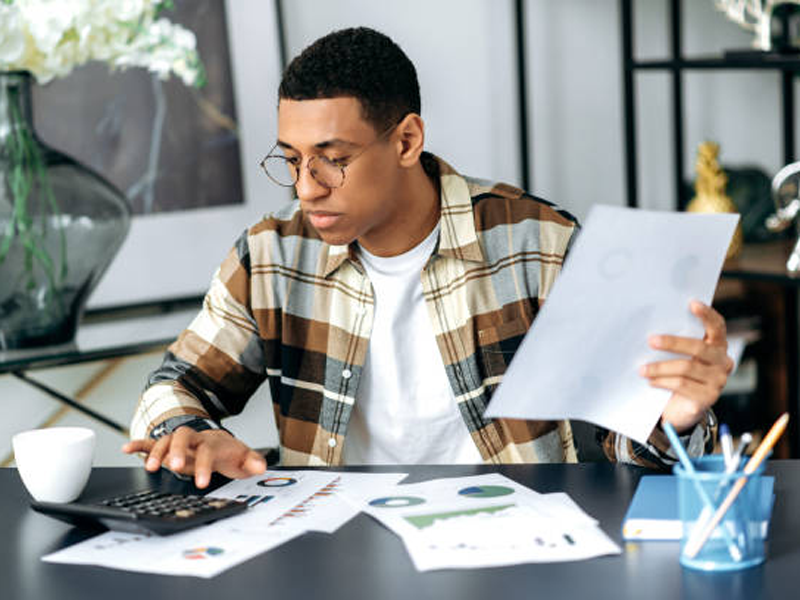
{"x": 347, "y": 374}
{"x": 332, "y": 442}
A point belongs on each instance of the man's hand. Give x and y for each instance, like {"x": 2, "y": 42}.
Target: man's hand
{"x": 201, "y": 453}
{"x": 697, "y": 380}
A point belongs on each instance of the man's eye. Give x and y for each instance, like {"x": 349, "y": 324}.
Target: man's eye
{"x": 339, "y": 161}
{"x": 292, "y": 160}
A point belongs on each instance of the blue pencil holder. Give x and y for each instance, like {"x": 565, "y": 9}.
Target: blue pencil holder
{"x": 738, "y": 541}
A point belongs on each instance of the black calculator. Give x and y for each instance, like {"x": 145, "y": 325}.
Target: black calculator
{"x": 147, "y": 511}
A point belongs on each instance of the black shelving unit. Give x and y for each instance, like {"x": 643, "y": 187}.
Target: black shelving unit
{"x": 676, "y": 64}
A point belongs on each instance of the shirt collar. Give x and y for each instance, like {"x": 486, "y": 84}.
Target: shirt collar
{"x": 458, "y": 237}
{"x": 338, "y": 255}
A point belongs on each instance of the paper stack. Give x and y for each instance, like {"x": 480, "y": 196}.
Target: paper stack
{"x": 485, "y": 521}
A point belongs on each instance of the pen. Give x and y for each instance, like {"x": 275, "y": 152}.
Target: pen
{"x": 686, "y": 463}
{"x": 726, "y": 441}
{"x": 744, "y": 442}
{"x": 694, "y": 546}
{"x": 730, "y": 471}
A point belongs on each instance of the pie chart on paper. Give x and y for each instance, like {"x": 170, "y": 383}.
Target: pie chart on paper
{"x": 276, "y": 482}
{"x": 396, "y": 501}
{"x": 202, "y": 553}
{"x": 486, "y": 491}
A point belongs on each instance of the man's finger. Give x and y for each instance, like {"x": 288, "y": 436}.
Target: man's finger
{"x": 713, "y": 323}
{"x": 203, "y": 465}
{"x": 690, "y": 369}
{"x": 708, "y": 353}
{"x": 699, "y": 394}
{"x": 255, "y": 463}
{"x": 157, "y": 453}
{"x": 135, "y": 446}
{"x": 241, "y": 462}
{"x": 182, "y": 440}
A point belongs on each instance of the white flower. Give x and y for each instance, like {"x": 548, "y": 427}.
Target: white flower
{"x": 47, "y": 21}
{"x": 49, "y": 38}
{"x": 125, "y": 10}
{"x": 12, "y": 38}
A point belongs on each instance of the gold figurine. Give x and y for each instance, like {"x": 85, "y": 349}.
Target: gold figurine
{"x": 709, "y": 189}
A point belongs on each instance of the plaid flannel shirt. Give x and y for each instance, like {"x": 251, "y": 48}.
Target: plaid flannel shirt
{"x": 287, "y": 307}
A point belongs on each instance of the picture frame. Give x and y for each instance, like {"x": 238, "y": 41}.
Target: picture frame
{"x": 174, "y": 254}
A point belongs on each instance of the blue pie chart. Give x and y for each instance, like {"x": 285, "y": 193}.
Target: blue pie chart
{"x": 276, "y": 482}
{"x": 486, "y": 491}
{"x": 396, "y": 501}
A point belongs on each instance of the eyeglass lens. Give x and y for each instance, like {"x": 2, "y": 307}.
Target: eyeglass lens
{"x": 284, "y": 172}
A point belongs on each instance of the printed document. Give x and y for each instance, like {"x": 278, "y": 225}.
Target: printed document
{"x": 484, "y": 521}
{"x": 630, "y": 274}
{"x": 283, "y": 505}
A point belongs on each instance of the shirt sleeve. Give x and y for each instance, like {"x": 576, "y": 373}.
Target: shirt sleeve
{"x": 217, "y": 363}
{"x": 658, "y": 453}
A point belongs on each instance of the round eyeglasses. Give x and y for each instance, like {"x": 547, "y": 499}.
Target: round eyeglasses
{"x": 329, "y": 173}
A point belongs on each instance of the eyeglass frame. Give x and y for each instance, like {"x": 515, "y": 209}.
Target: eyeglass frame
{"x": 351, "y": 160}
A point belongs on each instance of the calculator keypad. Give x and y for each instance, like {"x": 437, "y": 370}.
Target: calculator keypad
{"x": 159, "y": 504}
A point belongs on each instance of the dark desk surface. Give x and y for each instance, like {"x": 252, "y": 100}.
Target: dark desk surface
{"x": 366, "y": 561}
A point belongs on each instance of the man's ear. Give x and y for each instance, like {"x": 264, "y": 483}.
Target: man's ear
{"x": 410, "y": 135}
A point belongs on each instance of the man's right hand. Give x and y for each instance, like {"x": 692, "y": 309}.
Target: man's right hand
{"x": 190, "y": 452}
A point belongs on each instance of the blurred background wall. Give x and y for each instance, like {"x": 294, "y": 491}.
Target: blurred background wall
{"x": 465, "y": 54}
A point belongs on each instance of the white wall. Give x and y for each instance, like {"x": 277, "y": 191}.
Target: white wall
{"x": 575, "y": 100}
{"x": 465, "y": 56}
{"x": 466, "y": 60}
{"x": 463, "y": 51}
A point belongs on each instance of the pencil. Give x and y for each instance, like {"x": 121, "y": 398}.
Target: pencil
{"x": 694, "y": 546}
{"x": 686, "y": 462}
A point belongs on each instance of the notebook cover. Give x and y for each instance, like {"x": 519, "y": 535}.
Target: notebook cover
{"x": 653, "y": 511}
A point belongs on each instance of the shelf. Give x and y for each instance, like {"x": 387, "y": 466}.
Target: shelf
{"x": 758, "y": 277}
{"x": 763, "y": 262}
{"x": 765, "y": 61}
{"x": 100, "y": 340}
{"x": 770, "y": 296}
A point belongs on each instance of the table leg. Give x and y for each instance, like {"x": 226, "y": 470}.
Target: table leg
{"x": 792, "y": 352}
{"x": 70, "y": 402}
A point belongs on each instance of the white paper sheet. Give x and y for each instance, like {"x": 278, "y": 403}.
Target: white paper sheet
{"x": 327, "y": 509}
{"x": 204, "y": 551}
{"x": 485, "y": 521}
{"x": 284, "y": 504}
{"x": 207, "y": 550}
{"x": 630, "y": 274}
{"x": 515, "y": 535}
{"x": 276, "y": 496}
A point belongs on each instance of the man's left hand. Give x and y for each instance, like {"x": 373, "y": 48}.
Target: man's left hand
{"x": 696, "y": 381}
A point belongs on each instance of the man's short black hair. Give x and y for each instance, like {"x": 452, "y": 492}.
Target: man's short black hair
{"x": 358, "y": 62}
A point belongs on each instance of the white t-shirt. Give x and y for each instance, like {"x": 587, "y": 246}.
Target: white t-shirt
{"x": 405, "y": 411}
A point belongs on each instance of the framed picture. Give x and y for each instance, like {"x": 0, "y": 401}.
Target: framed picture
{"x": 186, "y": 158}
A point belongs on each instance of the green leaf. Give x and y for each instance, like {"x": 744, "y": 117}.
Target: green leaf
{"x": 8, "y": 237}
{"x": 27, "y": 168}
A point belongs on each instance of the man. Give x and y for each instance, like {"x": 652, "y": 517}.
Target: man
{"x": 385, "y": 304}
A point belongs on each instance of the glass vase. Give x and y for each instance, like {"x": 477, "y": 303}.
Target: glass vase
{"x": 61, "y": 224}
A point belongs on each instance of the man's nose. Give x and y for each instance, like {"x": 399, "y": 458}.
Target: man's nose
{"x": 308, "y": 188}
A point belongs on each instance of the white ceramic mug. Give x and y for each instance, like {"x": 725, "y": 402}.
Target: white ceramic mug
{"x": 55, "y": 463}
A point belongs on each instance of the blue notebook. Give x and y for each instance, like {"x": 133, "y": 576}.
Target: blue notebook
{"x": 653, "y": 511}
